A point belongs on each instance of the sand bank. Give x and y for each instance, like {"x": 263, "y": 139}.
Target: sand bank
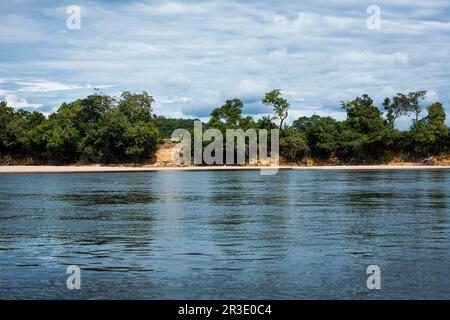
{"x": 100, "y": 168}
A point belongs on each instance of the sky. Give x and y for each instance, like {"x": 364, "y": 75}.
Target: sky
{"x": 193, "y": 55}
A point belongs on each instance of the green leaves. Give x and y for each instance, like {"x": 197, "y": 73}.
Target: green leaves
{"x": 98, "y": 128}
{"x": 321, "y": 133}
{"x": 403, "y": 105}
{"x": 293, "y": 145}
{"x": 430, "y": 136}
{"x": 278, "y": 103}
{"x": 228, "y": 115}
{"x": 364, "y": 132}
{"x": 103, "y": 129}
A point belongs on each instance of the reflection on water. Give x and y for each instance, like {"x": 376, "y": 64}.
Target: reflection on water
{"x": 226, "y": 234}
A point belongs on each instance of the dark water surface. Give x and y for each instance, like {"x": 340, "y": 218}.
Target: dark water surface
{"x": 226, "y": 234}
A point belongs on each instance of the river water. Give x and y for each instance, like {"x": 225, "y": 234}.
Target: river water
{"x": 300, "y": 234}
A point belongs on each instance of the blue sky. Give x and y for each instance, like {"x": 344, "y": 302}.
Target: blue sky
{"x": 193, "y": 55}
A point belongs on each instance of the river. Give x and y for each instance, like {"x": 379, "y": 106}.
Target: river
{"x": 300, "y": 234}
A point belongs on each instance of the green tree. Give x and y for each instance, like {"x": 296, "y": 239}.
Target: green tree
{"x": 136, "y": 106}
{"x": 414, "y": 100}
{"x": 167, "y": 125}
{"x": 364, "y": 131}
{"x": 431, "y": 134}
{"x": 100, "y": 128}
{"x": 402, "y": 105}
{"x": 279, "y": 105}
{"x": 228, "y": 116}
{"x": 62, "y": 135}
{"x": 266, "y": 123}
{"x": 104, "y": 129}
{"x": 293, "y": 145}
{"x": 127, "y": 132}
{"x": 397, "y": 108}
{"x": 322, "y": 134}
{"x": 6, "y": 115}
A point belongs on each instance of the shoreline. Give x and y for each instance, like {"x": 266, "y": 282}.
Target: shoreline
{"x": 150, "y": 168}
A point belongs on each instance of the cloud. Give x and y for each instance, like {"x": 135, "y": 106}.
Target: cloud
{"x": 176, "y": 80}
{"x": 19, "y": 102}
{"x": 193, "y": 55}
{"x": 47, "y": 95}
{"x": 172, "y": 8}
{"x": 44, "y": 86}
{"x": 374, "y": 59}
{"x": 250, "y": 89}
{"x": 279, "y": 54}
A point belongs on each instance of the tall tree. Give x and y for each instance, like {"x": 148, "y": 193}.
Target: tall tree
{"x": 321, "y": 133}
{"x": 430, "y": 133}
{"x": 136, "y": 106}
{"x": 293, "y": 145}
{"x": 279, "y": 105}
{"x": 399, "y": 106}
{"x": 6, "y": 115}
{"x": 229, "y": 114}
{"x": 364, "y": 132}
{"x": 266, "y": 123}
{"x": 362, "y": 115}
{"x": 415, "y": 98}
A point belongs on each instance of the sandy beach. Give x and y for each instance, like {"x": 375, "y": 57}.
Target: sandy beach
{"x": 148, "y": 168}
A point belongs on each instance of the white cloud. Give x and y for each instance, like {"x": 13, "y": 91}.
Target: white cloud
{"x": 176, "y": 80}
{"x": 44, "y": 86}
{"x": 278, "y": 54}
{"x": 250, "y": 88}
{"x": 178, "y": 8}
{"x": 432, "y": 96}
{"x": 19, "y": 102}
{"x": 371, "y": 58}
{"x": 169, "y": 8}
{"x": 317, "y": 52}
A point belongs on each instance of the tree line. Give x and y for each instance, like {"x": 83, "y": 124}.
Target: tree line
{"x": 104, "y": 129}
{"x": 97, "y": 129}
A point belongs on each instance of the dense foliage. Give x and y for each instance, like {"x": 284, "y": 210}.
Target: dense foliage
{"x": 365, "y": 136}
{"x": 97, "y": 129}
{"x": 103, "y": 129}
{"x": 167, "y": 125}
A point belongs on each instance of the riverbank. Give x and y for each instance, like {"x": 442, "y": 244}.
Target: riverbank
{"x": 147, "y": 168}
